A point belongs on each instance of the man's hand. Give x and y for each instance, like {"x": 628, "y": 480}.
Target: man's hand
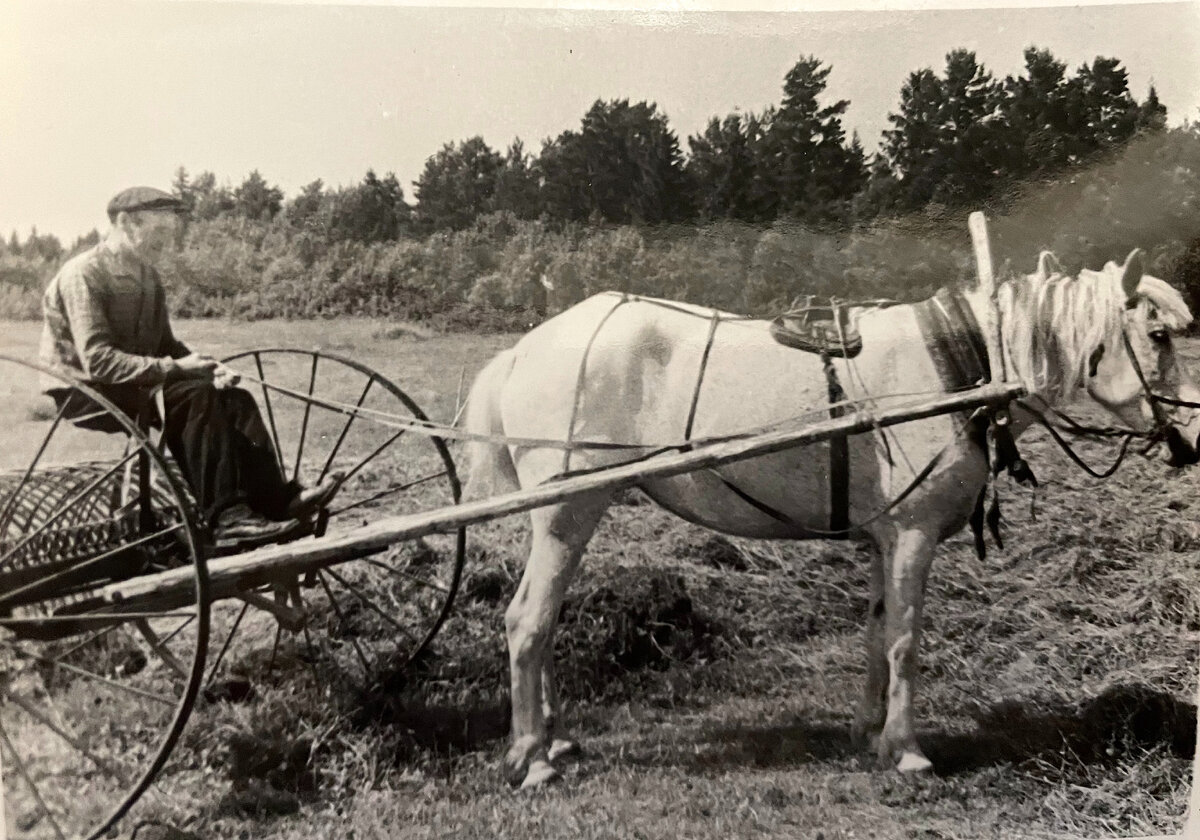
{"x": 225, "y": 377}
{"x": 196, "y": 366}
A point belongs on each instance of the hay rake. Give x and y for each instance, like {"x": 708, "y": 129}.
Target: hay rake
{"x": 95, "y": 693}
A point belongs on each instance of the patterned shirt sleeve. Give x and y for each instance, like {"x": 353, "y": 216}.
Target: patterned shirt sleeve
{"x": 102, "y": 361}
{"x": 171, "y": 346}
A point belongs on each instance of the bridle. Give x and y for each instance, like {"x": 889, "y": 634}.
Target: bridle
{"x": 1162, "y": 430}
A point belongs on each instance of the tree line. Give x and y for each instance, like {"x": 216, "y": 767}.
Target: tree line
{"x": 958, "y": 138}
{"x": 763, "y": 207}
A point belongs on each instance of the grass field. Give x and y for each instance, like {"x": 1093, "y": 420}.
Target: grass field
{"x": 712, "y": 681}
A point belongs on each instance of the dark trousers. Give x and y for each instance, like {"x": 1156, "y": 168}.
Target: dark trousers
{"x": 216, "y": 435}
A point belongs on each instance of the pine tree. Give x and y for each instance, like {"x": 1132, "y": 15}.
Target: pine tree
{"x": 457, "y": 185}
{"x": 517, "y": 183}
{"x": 913, "y": 145}
{"x": 721, "y": 169}
{"x": 949, "y": 142}
{"x": 256, "y": 199}
{"x": 1152, "y": 114}
{"x": 1101, "y": 112}
{"x": 622, "y": 166}
{"x": 1035, "y": 112}
{"x": 805, "y": 153}
{"x": 182, "y": 188}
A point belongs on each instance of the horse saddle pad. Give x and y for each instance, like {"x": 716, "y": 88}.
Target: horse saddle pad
{"x": 818, "y": 329}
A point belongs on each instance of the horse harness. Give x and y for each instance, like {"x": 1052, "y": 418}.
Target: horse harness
{"x": 960, "y": 356}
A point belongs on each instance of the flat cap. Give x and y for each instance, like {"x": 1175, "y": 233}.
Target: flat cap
{"x": 143, "y": 198}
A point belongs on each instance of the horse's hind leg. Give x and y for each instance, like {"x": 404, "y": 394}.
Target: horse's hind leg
{"x": 560, "y": 745}
{"x": 559, "y": 535}
{"x": 872, "y": 709}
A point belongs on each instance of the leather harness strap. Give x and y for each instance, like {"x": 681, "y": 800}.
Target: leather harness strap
{"x": 708, "y": 345}
{"x": 839, "y": 454}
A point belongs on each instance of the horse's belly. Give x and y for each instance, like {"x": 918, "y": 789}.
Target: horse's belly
{"x": 778, "y": 496}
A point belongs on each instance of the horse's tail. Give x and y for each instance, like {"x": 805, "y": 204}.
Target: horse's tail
{"x": 490, "y": 465}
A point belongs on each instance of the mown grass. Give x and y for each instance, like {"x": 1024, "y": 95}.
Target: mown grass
{"x": 712, "y": 681}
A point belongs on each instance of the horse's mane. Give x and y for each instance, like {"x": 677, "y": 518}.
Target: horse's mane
{"x": 1053, "y": 322}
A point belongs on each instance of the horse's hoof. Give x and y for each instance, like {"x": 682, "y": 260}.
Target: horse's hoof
{"x": 517, "y": 762}
{"x": 913, "y": 762}
{"x": 540, "y": 773}
{"x": 562, "y": 747}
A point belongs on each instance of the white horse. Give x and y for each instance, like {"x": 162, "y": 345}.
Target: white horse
{"x": 622, "y": 369}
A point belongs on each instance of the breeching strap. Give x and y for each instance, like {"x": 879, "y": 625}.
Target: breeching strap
{"x": 708, "y": 343}
{"x": 581, "y": 381}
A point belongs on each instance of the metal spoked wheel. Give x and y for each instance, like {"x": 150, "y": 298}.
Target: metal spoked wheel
{"x": 93, "y": 693}
{"x": 370, "y": 616}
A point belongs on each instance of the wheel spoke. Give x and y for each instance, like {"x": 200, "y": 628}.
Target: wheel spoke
{"x": 83, "y": 672}
{"x": 396, "y": 488}
{"x": 445, "y": 590}
{"x": 349, "y": 587}
{"x": 99, "y": 634}
{"x": 12, "y": 500}
{"x": 63, "y": 508}
{"x": 86, "y": 621}
{"x": 212, "y": 672}
{"x": 337, "y": 610}
{"x": 33, "y": 788}
{"x": 275, "y": 647}
{"x": 79, "y": 747}
{"x": 374, "y": 454}
{"x": 191, "y": 616}
{"x": 312, "y": 655}
{"x": 312, "y": 381}
{"x": 345, "y": 429}
{"x": 270, "y": 412}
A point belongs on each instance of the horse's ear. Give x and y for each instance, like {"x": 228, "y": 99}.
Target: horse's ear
{"x": 1131, "y": 272}
{"x": 1048, "y": 264}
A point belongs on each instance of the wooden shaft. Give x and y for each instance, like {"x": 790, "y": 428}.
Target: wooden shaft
{"x": 977, "y": 224}
{"x": 230, "y": 575}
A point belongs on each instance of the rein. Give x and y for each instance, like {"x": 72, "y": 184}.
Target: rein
{"x": 1075, "y": 428}
{"x": 449, "y": 432}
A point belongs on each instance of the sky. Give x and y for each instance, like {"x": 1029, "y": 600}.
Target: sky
{"x": 98, "y": 95}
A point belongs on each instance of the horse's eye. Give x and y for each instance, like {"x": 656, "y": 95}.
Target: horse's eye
{"x": 1160, "y": 335}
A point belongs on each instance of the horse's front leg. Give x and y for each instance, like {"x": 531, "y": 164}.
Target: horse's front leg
{"x": 905, "y": 572}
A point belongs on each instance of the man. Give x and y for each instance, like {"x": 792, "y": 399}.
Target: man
{"x": 106, "y": 323}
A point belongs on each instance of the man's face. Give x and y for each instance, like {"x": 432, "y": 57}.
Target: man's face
{"x": 153, "y": 231}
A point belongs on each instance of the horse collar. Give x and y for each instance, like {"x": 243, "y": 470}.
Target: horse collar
{"x": 956, "y": 343}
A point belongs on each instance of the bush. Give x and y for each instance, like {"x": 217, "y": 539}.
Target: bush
{"x": 506, "y": 273}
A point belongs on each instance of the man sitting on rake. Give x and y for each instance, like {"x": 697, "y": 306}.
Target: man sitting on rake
{"x": 106, "y": 323}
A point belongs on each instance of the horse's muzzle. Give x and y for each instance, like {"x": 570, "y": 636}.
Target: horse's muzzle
{"x": 1183, "y": 454}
